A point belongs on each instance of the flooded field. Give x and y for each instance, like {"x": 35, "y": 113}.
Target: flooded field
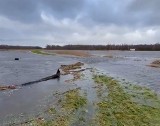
{"x": 25, "y": 103}
{"x": 129, "y": 65}
{"x": 30, "y": 67}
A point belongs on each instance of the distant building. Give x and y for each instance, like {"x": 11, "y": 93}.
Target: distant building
{"x": 132, "y": 49}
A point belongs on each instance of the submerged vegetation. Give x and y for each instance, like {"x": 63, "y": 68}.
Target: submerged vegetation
{"x": 114, "y": 103}
{"x": 73, "y": 101}
{"x": 68, "y": 111}
{"x": 119, "y": 108}
{"x": 118, "y": 105}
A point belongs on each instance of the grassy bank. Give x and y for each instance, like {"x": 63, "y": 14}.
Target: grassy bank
{"x": 40, "y": 52}
{"x": 118, "y": 107}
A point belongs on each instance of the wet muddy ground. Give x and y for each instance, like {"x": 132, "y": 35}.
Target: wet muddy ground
{"x": 23, "y": 106}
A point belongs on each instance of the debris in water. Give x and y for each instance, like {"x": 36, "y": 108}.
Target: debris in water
{"x": 7, "y": 87}
{"x": 155, "y": 63}
{"x": 16, "y": 59}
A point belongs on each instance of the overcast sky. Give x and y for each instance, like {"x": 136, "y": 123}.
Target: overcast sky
{"x": 41, "y": 22}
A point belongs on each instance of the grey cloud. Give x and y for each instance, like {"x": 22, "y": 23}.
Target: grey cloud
{"x": 145, "y": 12}
{"x": 63, "y": 8}
{"x": 105, "y": 12}
{"x": 136, "y": 13}
{"x": 30, "y": 10}
{"x": 79, "y": 21}
{"x": 145, "y": 5}
{"x": 20, "y": 10}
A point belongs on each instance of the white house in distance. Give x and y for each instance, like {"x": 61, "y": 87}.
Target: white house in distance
{"x": 132, "y": 49}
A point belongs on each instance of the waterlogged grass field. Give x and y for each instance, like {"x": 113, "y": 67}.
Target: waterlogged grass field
{"x": 69, "y": 111}
{"x": 84, "y": 96}
{"x": 118, "y": 104}
{"x": 118, "y": 108}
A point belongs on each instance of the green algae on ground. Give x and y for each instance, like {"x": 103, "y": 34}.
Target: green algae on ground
{"x": 40, "y": 52}
{"x": 118, "y": 108}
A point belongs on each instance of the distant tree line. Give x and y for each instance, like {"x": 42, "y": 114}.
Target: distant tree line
{"x": 19, "y": 47}
{"x": 141, "y": 47}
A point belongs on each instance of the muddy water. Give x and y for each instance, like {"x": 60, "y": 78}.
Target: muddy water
{"x": 33, "y": 99}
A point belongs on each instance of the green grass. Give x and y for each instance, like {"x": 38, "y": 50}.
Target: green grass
{"x": 117, "y": 104}
{"x": 118, "y": 108}
{"x": 40, "y": 52}
{"x": 68, "y": 105}
{"x": 73, "y": 101}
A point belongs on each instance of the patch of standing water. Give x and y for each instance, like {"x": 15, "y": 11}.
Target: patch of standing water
{"x": 131, "y": 66}
{"x": 86, "y": 86}
{"x": 27, "y": 101}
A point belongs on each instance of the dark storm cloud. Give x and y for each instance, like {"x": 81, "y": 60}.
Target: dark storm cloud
{"x": 125, "y": 12}
{"x": 145, "y": 12}
{"x": 30, "y": 10}
{"x": 21, "y": 10}
{"x": 106, "y": 12}
{"x": 63, "y": 8}
{"x": 80, "y": 20}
